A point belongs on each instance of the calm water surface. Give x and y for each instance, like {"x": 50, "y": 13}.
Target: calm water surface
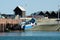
{"x": 30, "y": 35}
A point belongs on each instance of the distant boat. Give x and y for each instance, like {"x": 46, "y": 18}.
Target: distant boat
{"x": 28, "y": 24}
{"x": 47, "y": 25}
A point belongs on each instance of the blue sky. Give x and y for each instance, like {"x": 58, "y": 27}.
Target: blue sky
{"x": 31, "y": 6}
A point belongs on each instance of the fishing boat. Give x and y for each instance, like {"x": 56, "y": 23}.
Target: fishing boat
{"x": 46, "y": 24}
{"x": 28, "y": 24}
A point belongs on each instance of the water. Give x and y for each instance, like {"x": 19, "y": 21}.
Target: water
{"x": 30, "y": 35}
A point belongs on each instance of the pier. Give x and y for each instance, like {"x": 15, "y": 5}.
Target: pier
{"x": 9, "y": 24}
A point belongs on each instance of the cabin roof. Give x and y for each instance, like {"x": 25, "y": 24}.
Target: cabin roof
{"x": 21, "y": 8}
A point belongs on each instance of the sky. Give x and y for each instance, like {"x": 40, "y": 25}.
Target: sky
{"x": 31, "y": 6}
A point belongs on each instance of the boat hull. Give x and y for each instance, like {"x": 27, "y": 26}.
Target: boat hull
{"x": 54, "y": 27}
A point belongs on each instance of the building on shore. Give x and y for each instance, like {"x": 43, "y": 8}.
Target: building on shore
{"x": 19, "y": 11}
{"x": 6, "y": 19}
{"x": 49, "y": 14}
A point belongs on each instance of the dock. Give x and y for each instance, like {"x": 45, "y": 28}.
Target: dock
{"x": 9, "y": 24}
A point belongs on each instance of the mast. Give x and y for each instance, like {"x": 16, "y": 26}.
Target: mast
{"x": 58, "y": 19}
{"x": 58, "y": 16}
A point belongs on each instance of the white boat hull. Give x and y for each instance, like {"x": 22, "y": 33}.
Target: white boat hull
{"x": 46, "y": 27}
